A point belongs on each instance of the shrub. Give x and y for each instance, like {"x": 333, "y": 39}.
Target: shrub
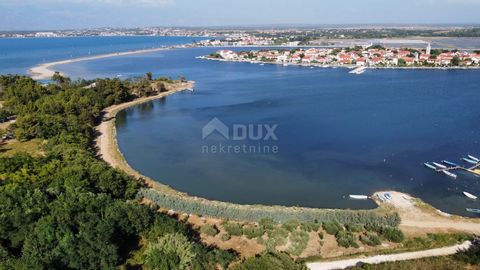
{"x": 233, "y": 229}
{"x": 276, "y": 237}
{"x": 267, "y": 223}
{"x": 370, "y": 238}
{"x": 393, "y": 234}
{"x": 346, "y": 239}
{"x": 310, "y": 226}
{"x": 269, "y": 260}
{"x": 172, "y": 251}
{"x": 291, "y": 225}
{"x": 390, "y": 233}
{"x": 354, "y": 227}
{"x": 332, "y": 227}
{"x": 253, "y": 232}
{"x": 208, "y": 229}
{"x": 298, "y": 242}
{"x": 225, "y": 237}
{"x": 471, "y": 255}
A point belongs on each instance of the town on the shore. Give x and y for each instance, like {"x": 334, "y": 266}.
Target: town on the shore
{"x": 366, "y": 56}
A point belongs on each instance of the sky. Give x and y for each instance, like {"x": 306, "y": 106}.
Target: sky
{"x": 73, "y": 14}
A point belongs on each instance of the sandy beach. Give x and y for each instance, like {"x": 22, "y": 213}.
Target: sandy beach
{"x": 45, "y": 71}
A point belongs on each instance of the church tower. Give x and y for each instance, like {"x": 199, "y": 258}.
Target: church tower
{"x": 429, "y": 48}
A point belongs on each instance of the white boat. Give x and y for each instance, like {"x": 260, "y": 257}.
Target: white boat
{"x": 358, "y": 197}
{"x": 430, "y": 166}
{"x": 469, "y": 195}
{"x": 439, "y": 165}
{"x": 358, "y": 70}
{"x": 474, "y": 158}
{"x": 472, "y": 210}
{"x": 454, "y": 176}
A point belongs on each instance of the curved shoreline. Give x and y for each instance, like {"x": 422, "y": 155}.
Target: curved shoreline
{"x": 415, "y": 215}
{"x": 44, "y": 71}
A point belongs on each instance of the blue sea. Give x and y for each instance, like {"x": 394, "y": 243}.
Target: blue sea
{"x": 335, "y": 133}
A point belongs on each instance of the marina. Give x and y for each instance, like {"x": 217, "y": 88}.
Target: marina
{"x": 475, "y": 169}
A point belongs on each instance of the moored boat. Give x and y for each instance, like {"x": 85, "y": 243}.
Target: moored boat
{"x": 474, "y": 158}
{"x": 450, "y": 174}
{"x": 472, "y": 210}
{"x": 358, "y": 197}
{"x": 470, "y": 160}
{"x": 469, "y": 195}
{"x": 450, "y": 163}
{"x": 439, "y": 165}
{"x": 428, "y": 165}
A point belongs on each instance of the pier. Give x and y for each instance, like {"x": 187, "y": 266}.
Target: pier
{"x": 475, "y": 169}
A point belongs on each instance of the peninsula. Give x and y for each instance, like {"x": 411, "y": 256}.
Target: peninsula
{"x": 374, "y": 56}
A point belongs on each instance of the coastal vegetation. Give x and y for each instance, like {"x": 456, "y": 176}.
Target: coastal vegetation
{"x": 257, "y": 212}
{"x": 66, "y": 209}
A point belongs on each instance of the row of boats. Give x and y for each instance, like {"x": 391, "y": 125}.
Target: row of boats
{"x": 445, "y": 168}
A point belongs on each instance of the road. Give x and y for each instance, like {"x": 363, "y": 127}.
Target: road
{"x": 342, "y": 264}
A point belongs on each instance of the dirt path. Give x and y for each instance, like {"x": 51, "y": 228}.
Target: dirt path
{"x": 342, "y": 264}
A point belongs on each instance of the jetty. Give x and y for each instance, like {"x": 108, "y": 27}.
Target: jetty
{"x": 474, "y": 167}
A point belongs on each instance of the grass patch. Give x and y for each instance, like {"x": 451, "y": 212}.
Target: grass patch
{"x": 208, "y": 229}
{"x": 233, "y": 229}
{"x": 32, "y": 147}
{"x": 435, "y": 241}
{"x": 253, "y": 232}
{"x": 298, "y": 242}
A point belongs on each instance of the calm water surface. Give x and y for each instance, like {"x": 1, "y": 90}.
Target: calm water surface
{"x": 338, "y": 133}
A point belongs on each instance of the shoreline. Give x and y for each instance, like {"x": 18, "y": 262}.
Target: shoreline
{"x": 325, "y": 66}
{"x": 415, "y": 215}
{"x": 44, "y": 71}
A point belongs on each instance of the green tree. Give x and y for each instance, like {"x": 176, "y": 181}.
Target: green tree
{"x": 172, "y": 252}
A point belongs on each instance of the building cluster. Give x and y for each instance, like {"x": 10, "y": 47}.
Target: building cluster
{"x": 366, "y": 56}
{"x": 146, "y": 31}
{"x": 239, "y": 40}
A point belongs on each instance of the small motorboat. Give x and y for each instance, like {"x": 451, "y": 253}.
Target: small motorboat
{"x": 454, "y": 176}
{"x": 470, "y": 196}
{"x": 358, "y": 197}
{"x": 439, "y": 165}
{"x": 472, "y": 210}
{"x": 470, "y": 160}
{"x": 473, "y": 158}
{"x": 388, "y": 196}
{"x": 428, "y": 165}
{"x": 450, "y": 163}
